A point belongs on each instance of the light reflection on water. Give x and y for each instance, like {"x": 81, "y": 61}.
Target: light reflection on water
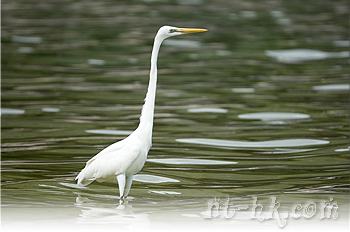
{"x": 109, "y": 132}
{"x": 272, "y": 143}
{"x": 189, "y": 161}
{"x": 207, "y": 110}
{"x": 340, "y": 88}
{"x": 273, "y": 116}
{"x": 11, "y": 111}
{"x": 301, "y": 55}
{"x": 51, "y": 110}
{"x": 152, "y": 179}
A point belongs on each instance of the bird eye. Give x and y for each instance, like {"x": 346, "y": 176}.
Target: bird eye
{"x": 172, "y": 30}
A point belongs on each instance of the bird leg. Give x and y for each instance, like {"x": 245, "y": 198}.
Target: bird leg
{"x": 128, "y": 185}
{"x": 121, "y": 184}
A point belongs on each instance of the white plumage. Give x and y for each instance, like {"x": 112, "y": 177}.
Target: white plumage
{"x": 123, "y": 159}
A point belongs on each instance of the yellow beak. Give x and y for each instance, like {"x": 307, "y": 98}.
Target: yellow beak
{"x": 191, "y": 30}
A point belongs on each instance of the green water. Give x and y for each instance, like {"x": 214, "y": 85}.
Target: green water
{"x": 207, "y": 139}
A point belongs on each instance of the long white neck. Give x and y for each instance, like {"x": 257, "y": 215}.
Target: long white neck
{"x": 147, "y": 113}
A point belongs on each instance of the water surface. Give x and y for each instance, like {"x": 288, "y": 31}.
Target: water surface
{"x": 231, "y": 123}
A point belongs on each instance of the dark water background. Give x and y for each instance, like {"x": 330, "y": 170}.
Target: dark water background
{"x": 233, "y": 118}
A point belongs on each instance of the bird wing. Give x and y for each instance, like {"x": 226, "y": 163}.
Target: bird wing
{"x": 113, "y": 160}
{"x": 113, "y": 147}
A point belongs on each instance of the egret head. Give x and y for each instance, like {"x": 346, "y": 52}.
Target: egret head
{"x": 168, "y": 31}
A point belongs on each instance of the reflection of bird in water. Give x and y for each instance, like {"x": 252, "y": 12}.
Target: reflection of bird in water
{"x": 123, "y": 215}
{"x": 127, "y": 157}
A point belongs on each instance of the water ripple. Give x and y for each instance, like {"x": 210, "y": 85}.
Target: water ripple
{"x": 153, "y": 179}
{"x": 332, "y": 88}
{"x": 207, "y": 110}
{"x": 11, "y": 111}
{"x": 165, "y": 192}
{"x": 109, "y": 132}
{"x": 190, "y": 161}
{"x": 301, "y": 55}
{"x": 271, "y": 143}
{"x": 273, "y": 116}
{"x": 50, "y": 110}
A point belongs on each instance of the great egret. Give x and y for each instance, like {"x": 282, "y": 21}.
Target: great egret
{"x": 125, "y": 158}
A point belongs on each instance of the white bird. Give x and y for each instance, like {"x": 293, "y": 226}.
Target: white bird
{"x": 123, "y": 159}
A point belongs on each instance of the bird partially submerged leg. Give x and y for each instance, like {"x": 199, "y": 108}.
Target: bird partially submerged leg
{"x": 128, "y": 185}
{"x": 121, "y": 201}
{"x": 121, "y": 184}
